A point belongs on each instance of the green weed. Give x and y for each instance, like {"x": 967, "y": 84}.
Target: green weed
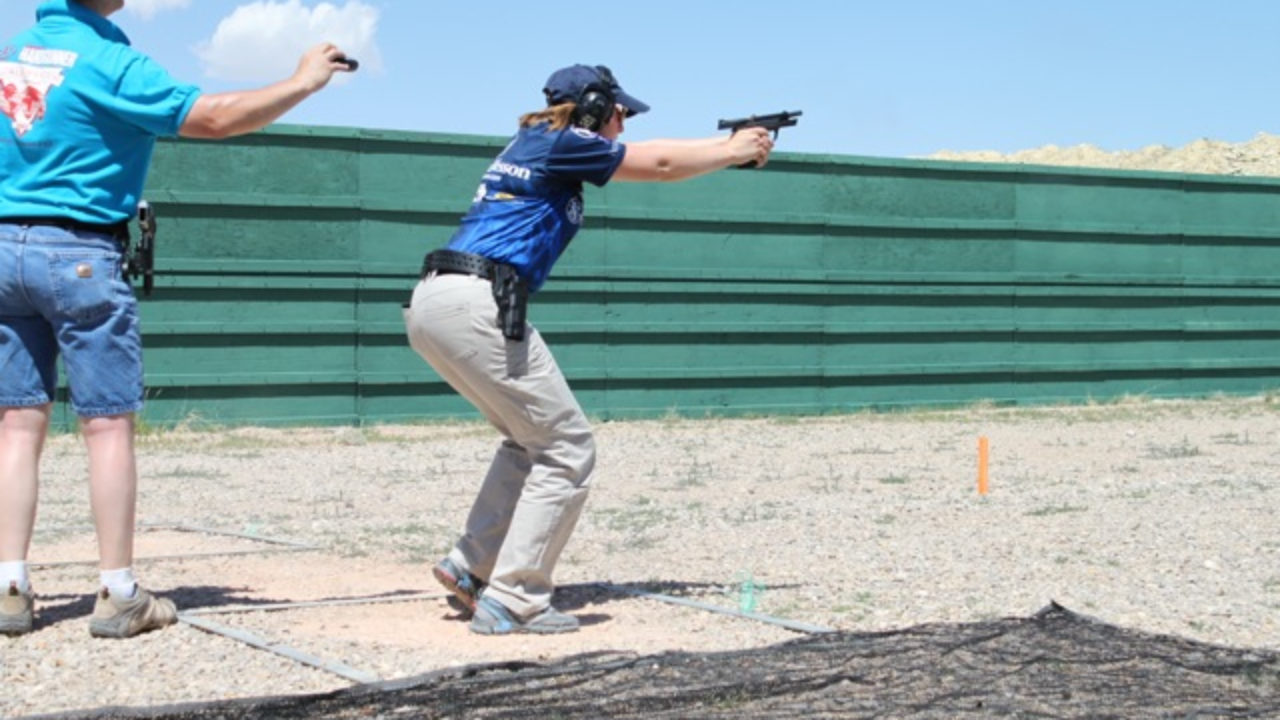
{"x": 1056, "y": 510}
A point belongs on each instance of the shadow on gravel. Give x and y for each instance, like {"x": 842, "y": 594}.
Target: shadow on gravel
{"x": 1054, "y": 664}
{"x": 66, "y": 606}
{"x": 54, "y": 609}
{"x": 209, "y": 597}
{"x": 576, "y": 596}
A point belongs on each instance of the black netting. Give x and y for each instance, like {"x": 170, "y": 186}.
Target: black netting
{"x": 1055, "y": 664}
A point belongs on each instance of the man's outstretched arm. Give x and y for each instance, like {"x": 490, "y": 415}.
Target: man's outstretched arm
{"x": 222, "y": 115}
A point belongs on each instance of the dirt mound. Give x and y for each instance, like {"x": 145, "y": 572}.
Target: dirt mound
{"x": 1054, "y": 664}
{"x": 1259, "y": 156}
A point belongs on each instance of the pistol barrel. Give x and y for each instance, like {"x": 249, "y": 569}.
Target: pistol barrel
{"x": 772, "y": 121}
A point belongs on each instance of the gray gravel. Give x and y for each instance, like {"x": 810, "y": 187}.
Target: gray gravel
{"x": 1154, "y": 515}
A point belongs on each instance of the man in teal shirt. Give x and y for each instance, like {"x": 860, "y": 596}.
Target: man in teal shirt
{"x": 80, "y": 111}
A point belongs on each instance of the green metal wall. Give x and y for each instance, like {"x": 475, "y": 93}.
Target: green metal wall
{"x": 820, "y": 283}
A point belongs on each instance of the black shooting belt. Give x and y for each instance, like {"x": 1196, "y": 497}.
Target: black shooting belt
{"x": 510, "y": 291}
{"x": 119, "y": 231}
{"x": 452, "y": 262}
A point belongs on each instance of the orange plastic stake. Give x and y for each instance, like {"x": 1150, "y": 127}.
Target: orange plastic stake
{"x": 984, "y": 451}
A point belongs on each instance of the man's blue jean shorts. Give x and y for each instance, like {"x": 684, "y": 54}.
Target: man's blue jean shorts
{"x": 63, "y": 291}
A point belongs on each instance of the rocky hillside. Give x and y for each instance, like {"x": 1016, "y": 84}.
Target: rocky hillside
{"x": 1259, "y": 156}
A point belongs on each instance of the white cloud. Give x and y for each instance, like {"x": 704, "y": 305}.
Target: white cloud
{"x": 148, "y": 8}
{"x": 262, "y": 41}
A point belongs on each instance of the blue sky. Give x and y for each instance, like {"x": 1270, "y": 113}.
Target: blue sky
{"x": 891, "y": 78}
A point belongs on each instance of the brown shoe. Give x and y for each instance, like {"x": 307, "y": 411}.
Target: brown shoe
{"x": 114, "y": 618}
{"x": 17, "y": 611}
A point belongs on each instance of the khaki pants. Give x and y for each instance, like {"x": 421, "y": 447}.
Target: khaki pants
{"x": 535, "y": 488}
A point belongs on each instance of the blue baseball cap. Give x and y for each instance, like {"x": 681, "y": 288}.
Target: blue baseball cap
{"x": 567, "y": 84}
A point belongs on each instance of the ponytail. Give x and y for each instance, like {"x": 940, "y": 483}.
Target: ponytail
{"x": 558, "y": 116}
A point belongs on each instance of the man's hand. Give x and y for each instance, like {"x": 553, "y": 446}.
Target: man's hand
{"x": 750, "y": 145}
{"x": 223, "y": 115}
{"x": 318, "y": 65}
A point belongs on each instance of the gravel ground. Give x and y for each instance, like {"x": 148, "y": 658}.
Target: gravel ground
{"x": 1152, "y": 515}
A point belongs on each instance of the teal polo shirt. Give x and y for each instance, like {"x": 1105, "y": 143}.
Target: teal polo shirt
{"x": 80, "y": 111}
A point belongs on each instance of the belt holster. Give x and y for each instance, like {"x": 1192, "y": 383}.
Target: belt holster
{"x": 512, "y": 295}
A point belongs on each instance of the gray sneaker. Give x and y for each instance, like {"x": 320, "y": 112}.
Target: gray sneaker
{"x": 464, "y": 586}
{"x": 493, "y": 618}
{"x": 17, "y": 611}
{"x": 114, "y": 618}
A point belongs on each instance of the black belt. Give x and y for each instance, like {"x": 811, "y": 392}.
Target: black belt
{"x": 509, "y": 291}
{"x": 453, "y": 262}
{"x": 118, "y": 230}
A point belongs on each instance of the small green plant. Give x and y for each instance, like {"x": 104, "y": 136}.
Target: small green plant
{"x": 1182, "y": 449}
{"x": 671, "y": 417}
{"x": 1055, "y": 510}
{"x": 350, "y": 436}
{"x": 181, "y": 472}
{"x": 829, "y": 483}
{"x": 895, "y": 480}
{"x": 193, "y": 422}
{"x": 866, "y": 450}
{"x": 643, "y": 517}
{"x": 752, "y": 513}
{"x": 143, "y": 428}
{"x": 1232, "y": 438}
{"x": 695, "y": 475}
{"x": 244, "y": 441}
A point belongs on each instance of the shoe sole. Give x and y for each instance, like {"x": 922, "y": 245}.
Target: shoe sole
{"x": 114, "y": 632}
{"x": 113, "y": 629}
{"x": 510, "y": 627}
{"x": 521, "y": 630}
{"x": 14, "y": 628}
{"x": 99, "y": 631}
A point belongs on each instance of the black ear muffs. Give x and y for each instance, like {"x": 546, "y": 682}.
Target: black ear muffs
{"x": 595, "y": 105}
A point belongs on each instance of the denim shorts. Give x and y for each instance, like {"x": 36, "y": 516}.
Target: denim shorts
{"x": 63, "y": 291}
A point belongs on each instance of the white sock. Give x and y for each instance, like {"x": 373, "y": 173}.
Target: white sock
{"x": 14, "y": 572}
{"x": 120, "y": 583}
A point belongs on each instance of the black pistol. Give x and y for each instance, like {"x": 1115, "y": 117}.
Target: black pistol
{"x": 772, "y": 122}
{"x": 142, "y": 257}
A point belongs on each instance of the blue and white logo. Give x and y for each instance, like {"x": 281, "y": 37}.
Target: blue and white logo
{"x": 574, "y": 210}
